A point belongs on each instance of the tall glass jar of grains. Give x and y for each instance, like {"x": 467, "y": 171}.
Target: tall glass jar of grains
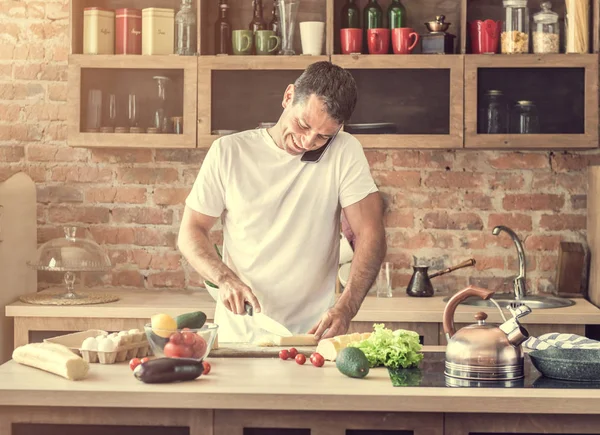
{"x": 546, "y": 32}
{"x": 515, "y": 32}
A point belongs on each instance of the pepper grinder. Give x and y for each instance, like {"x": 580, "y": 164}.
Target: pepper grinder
{"x": 437, "y": 41}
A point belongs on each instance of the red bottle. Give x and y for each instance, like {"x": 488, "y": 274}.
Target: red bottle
{"x": 128, "y": 31}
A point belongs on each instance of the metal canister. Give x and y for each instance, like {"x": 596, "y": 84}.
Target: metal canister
{"x": 158, "y": 31}
{"x": 128, "y": 31}
{"x": 98, "y": 31}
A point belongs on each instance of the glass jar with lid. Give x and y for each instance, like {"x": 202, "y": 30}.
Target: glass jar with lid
{"x": 515, "y": 27}
{"x": 493, "y": 113}
{"x": 524, "y": 118}
{"x": 546, "y": 31}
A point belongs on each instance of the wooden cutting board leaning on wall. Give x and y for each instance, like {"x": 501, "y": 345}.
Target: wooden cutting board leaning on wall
{"x": 18, "y": 244}
{"x": 593, "y": 233}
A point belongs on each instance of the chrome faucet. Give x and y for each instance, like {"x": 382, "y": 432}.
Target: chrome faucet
{"x": 519, "y": 285}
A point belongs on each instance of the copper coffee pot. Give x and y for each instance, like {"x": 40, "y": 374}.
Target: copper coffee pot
{"x": 480, "y": 351}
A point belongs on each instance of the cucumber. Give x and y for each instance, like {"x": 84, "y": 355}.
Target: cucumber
{"x": 194, "y": 320}
{"x": 163, "y": 370}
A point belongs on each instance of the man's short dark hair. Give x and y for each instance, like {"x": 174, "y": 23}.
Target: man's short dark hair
{"x": 333, "y": 84}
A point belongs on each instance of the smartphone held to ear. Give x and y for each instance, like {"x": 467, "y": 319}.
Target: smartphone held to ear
{"x": 314, "y": 156}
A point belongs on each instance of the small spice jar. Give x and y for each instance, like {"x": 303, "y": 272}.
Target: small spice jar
{"x": 152, "y": 130}
{"x": 158, "y": 31}
{"x": 515, "y": 27}
{"x": 98, "y": 31}
{"x": 122, "y": 130}
{"x": 128, "y": 31}
{"x": 546, "y": 32}
{"x": 137, "y": 130}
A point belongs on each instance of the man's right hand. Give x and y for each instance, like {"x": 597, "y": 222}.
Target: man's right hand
{"x": 235, "y": 294}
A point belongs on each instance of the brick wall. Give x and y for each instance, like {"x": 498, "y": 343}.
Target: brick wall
{"x": 441, "y": 205}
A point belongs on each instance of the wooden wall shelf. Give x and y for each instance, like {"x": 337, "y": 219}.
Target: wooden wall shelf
{"x": 205, "y": 79}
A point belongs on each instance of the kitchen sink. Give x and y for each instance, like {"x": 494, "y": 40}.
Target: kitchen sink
{"x": 533, "y": 302}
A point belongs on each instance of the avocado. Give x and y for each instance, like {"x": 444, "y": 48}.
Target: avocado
{"x": 194, "y": 320}
{"x": 352, "y": 362}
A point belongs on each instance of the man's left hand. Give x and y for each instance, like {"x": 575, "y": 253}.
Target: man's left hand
{"x": 335, "y": 321}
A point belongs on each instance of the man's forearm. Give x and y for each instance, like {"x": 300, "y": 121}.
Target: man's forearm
{"x": 198, "y": 250}
{"x": 370, "y": 249}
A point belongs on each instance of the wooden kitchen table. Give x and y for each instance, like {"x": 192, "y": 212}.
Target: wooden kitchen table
{"x": 258, "y": 396}
{"x": 135, "y": 307}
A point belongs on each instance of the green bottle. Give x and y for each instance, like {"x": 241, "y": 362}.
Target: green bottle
{"x": 373, "y": 15}
{"x": 350, "y": 15}
{"x": 396, "y": 15}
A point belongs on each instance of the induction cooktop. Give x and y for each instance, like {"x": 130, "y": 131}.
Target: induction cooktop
{"x": 430, "y": 373}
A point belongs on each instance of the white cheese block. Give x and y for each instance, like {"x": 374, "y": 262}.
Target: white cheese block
{"x": 52, "y": 357}
{"x": 296, "y": 340}
{"x": 329, "y": 348}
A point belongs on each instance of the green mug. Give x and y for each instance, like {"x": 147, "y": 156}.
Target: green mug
{"x": 242, "y": 41}
{"x": 266, "y": 42}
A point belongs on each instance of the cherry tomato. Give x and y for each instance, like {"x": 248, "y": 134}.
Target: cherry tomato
{"x": 185, "y": 329}
{"x": 293, "y": 352}
{"x": 317, "y": 360}
{"x": 145, "y": 359}
{"x": 284, "y": 354}
{"x": 176, "y": 338}
{"x": 134, "y": 363}
{"x": 189, "y": 338}
{"x": 300, "y": 359}
{"x": 206, "y": 368}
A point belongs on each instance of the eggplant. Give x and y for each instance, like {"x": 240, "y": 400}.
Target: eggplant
{"x": 164, "y": 370}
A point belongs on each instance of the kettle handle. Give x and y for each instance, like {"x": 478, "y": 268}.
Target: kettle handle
{"x": 455, "y": 300}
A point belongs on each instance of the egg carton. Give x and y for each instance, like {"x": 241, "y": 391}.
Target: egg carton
{"x": 126, "y": 346}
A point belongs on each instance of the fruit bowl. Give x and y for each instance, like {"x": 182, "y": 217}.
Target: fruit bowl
{"x": 182, "y": 343}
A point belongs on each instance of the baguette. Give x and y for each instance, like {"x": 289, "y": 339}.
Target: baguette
{"x": 54, "y": 358}
{"x": 329, "y": 348}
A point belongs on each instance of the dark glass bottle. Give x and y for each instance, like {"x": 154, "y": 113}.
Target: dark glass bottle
{"x": 396, "y": 15}
{"x": 274, "y": 24}
{"x": 373, "y": 15}
{"x": 258, "y": 22}
{"x": 223, "y": 31}
{"x": 350, "y": 16}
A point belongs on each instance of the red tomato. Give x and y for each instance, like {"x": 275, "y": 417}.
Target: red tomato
{"x": 145, "y": 359}
{"x": 317, "y": 360}
{"x": 206, "y": 368}
{"x": 134, "y": 363}
{"x": 300, "y": 359}
{"x": 176, "y": 338}
{"x": 284, "y": 354}
{"x": 189, "y": 338}
{"x": 187, "y": 351}
{"x": 172, "y": 350}
{"x": 293, "y": 352}
{"x": 199, "y": 347}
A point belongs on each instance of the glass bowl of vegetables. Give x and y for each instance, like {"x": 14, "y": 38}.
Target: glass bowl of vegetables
{"x": 182, "y": 343}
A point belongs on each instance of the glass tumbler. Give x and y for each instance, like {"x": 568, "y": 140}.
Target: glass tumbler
{"x": 384, "y": 280}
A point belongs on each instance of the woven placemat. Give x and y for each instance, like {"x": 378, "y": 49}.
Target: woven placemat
{"x": 49, "y": 298}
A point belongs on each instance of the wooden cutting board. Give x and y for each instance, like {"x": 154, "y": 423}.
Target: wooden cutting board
{"x": 248, "y": 350}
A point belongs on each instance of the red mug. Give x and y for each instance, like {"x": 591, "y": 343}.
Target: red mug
{"x": 378, "y": 41}
{"x": 401, "y": 40}
{"x": 351, "y": 40}
{"x": 485, "y": 35}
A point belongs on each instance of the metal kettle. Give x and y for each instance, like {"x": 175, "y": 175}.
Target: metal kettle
{"x": 483, "y": 352}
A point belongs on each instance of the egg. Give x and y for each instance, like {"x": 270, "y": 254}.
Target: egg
{"x": 106, "y": 346}
{"x": 134, "y": 331}
{"x": 89, "y": 343}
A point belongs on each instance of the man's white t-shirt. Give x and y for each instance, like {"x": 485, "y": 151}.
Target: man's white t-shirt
{"x": 281, "y": 223}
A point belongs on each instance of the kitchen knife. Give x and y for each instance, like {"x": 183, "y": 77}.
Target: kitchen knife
{"x": 266, "y": 323}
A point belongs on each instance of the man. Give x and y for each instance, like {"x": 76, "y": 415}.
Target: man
{"x": 281, "y": 215}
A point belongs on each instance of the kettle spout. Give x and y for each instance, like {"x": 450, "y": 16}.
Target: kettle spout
{"x": 515, "y": 332}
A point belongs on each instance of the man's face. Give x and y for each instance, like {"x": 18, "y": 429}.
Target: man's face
{"x": 305, "y": 126}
